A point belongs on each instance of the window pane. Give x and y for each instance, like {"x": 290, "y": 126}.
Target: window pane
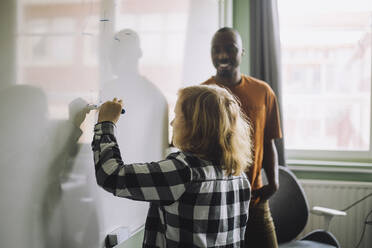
{"x": 175, "y": 38}
{"x": 326, "y": 59}
{"x": 59, "y": 44}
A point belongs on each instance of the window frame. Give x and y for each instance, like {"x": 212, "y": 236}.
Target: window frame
{"x": 336, "y": 155}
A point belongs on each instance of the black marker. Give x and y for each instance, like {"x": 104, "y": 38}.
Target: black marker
{"x": 95, "y": 106}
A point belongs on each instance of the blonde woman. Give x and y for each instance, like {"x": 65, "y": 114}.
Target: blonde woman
{"x": 199, "y": 196}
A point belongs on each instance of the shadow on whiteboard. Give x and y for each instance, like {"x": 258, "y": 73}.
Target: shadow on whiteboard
{"x": 50, "y": 197}
{"x": 142, "y": 132}
{"x": 47, "y": 194}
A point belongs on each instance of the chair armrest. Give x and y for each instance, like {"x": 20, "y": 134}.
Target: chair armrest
{"x": 327, "y": 211}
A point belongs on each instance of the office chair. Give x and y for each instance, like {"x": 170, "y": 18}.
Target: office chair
{"x": 290, "y": 212}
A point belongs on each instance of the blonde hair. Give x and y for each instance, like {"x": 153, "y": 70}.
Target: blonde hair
{"x": 215, "y": 127}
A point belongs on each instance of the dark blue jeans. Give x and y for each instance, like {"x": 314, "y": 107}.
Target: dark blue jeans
{"x": 260, "y": 232}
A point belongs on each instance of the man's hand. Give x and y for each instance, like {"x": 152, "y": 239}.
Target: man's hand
{"x": 264, "y": 193}
{"x": 270, "y": 165}
{"x": 110, "y": 111}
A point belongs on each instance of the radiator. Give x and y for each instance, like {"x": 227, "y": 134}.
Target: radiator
{"x": 339, "y": 195}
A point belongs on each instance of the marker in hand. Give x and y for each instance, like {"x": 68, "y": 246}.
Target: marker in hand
{"x": 110, "y": 110}
{"x": 95, "y": 106}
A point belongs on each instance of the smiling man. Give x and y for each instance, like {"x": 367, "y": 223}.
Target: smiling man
{"x": 259, "y": 103}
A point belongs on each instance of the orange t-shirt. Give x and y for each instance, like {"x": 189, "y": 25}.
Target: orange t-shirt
{"x": 259, "y": 103}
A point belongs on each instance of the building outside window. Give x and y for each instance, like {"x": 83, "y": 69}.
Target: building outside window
{"x": 326, "y": 62}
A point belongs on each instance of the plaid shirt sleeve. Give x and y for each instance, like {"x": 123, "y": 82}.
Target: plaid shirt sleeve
{"x": 161, "y": 182}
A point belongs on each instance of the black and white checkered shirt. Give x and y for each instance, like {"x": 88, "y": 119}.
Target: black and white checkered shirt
{"x": 192, "y": 202}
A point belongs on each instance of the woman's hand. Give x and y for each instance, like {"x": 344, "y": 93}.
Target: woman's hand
{"x": 110, "y": 111}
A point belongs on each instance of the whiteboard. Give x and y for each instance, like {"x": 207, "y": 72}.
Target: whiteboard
{"x": 58, "y": 57}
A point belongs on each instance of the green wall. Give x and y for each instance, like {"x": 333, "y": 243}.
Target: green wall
{"x": 333, "y": 176}
{"x": 8, "y": 42}
{"x": 332, "y": 171}
{"x": 241, "y": 23}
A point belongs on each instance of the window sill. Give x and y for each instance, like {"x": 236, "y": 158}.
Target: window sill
{"x": 329, "y": 164}
{"x": 331, "y": 170}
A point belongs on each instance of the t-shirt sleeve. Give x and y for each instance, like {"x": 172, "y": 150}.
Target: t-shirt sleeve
{"x": 272, "y": 127}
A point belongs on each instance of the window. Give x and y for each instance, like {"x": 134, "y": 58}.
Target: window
{"x": 49, "y": 42}
{"x": 326, "y": 61}
{"x": 54, "y": 45}
{"x": 173, "y": 35}
{"x": 61, "y": 45}
{"x": 175, "y": 38}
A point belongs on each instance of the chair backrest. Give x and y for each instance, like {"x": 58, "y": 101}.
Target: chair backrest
{"x": 289, "y": 207}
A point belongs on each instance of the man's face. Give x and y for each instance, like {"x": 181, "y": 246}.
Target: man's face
{"x": 226, "y": 53}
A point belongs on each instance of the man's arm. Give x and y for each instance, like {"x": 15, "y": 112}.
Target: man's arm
{"x": 270, "y": 165}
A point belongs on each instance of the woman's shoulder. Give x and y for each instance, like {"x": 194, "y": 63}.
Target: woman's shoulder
{"x": 191, "y": 160}
{"x": 201, "y": 169}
